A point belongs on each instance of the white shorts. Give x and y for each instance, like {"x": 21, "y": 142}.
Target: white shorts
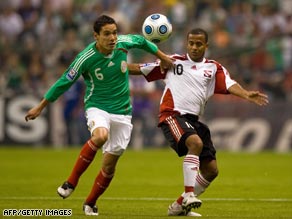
{"x": 119, "y": 127}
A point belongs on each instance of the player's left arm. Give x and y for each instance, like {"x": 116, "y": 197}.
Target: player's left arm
{"x": 166, "y": 63}
{"x": 134, "y": 69}
{"x": 256, "y": 97}
{"x": 225, "y": 85}
{"x": 140, "y": 42}
{"x": 151, "y": 71}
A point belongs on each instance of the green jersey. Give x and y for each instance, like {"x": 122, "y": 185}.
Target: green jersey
{"x": 106, "y": 77}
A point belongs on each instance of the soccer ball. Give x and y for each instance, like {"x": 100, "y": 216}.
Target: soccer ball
{"x": 156, "y": 28}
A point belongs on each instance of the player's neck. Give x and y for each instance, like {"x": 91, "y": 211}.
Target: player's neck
{"x": 102, "y": 50}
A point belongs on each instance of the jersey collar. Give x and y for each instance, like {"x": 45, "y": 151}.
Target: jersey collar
{"x": 197, "y": 63}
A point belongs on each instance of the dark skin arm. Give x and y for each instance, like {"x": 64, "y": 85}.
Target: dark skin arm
{"x": 166, "y": 61}
{"x": 253, "y": 96}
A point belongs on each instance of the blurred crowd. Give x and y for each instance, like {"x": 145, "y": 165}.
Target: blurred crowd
{"x": 40, "y": 38}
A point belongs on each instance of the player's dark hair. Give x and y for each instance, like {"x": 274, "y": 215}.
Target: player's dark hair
{"x": 102, "y": 21}
{"x": 198, "y": 31}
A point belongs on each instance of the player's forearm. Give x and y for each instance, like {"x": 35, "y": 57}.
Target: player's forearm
{"x": 161, "y": 55}
{"x": 36, "y": 111}
{"x": 44, "y": 102}
{"x": 237, "y": 90}
{"x": 134, "y": 69}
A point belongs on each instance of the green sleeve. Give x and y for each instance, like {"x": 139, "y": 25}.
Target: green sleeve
{"x": 137, "y": 41}
{"x": 62, "y": 84}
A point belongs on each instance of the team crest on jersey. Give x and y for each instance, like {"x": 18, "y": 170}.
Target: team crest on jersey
{"x": 71, "y": 74}
{"x": 124, "y": 66}
{"x": 207, "y": 73}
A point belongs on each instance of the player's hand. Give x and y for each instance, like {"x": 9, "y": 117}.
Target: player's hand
{"x": 33, "y": 113}
{"x": 258, "y": 98}
{"x": 36, "y": 111}
{"x": 166, "y": 63}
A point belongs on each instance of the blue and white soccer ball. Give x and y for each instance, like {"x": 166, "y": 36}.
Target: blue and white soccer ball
{"x": 156, "y": 28}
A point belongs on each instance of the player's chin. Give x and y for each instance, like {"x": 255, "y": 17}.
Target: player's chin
{"x": 111, "y": 45}
{"x": 194, "y": 58}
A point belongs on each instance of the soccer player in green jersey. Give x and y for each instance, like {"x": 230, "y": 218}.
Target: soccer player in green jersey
{"x": 103, "y": 65}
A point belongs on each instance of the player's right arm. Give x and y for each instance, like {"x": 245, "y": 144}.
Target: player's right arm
{"x": 57, "y": 89}
{"x": 36, "y": 111}
{"x": 67, "y": 79}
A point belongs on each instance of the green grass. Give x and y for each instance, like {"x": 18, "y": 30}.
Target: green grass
{"x": 146, "y": 182}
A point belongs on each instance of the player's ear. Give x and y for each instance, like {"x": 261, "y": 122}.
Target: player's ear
{"x": 207, "y": 45}
{"x": 95, "y": 35}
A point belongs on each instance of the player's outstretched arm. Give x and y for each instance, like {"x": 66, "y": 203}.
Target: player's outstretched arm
{"x": 256, "y": 97}
{"x": 134, "y": 69}
{"x": 36, "y": 111}
{"x": 166, "y": 61}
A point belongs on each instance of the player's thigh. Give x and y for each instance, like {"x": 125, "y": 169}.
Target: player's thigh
{"x": 97, "y": 118}
{"x": 176, "y": 130}
{"x": 208, "y": 151}
{"x": 120, "y": 134}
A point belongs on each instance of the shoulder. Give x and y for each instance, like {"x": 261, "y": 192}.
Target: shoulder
{"x": 217, "y": 64}
{"x": 87, "y": 51}
{"x": 212, "y": 61}
{"x": 84, "y": 56}
{"x": 179, "y": 57}
{"x": 129, "y": 38}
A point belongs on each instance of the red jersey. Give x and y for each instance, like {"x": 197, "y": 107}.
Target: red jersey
{"x": 189, "y": 85}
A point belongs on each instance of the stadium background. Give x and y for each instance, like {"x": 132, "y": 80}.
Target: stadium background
{"x": 252, "y": 38}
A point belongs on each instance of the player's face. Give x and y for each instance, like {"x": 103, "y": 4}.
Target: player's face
{"x": 106, "y": 39}
{"x": 196, "y": 47}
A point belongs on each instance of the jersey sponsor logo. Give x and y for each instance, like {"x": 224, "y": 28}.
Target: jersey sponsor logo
{"x": 194, "y": 67}
{"x": 71, "y": 74}
{"x": 124, "y": 66}
{"x": 110, "y": 64}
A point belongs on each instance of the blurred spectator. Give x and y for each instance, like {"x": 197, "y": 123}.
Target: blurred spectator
{"x": 30, "y": 16}
{"x": 11, "y": 23}
{"x": 35, "y": 78}
{"x": 221, "y": 37}
{"x": 48, "y": 27}
{"x": 179, "y": 15}
{"x": 69, "y": 20}
{"x": 213, "y": 13}
{"x": 122, "y": 19}
{"x": 14, "y": 74}
{"x": 272, "y": 79}
{"x": 268, "y": 18}
{"x": 68, "y": 48}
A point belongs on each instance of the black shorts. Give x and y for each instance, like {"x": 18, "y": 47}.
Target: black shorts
{"x": 177, "y": 128}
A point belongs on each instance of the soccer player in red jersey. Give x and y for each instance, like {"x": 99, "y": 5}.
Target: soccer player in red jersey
{"x": 188, "y": 86}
